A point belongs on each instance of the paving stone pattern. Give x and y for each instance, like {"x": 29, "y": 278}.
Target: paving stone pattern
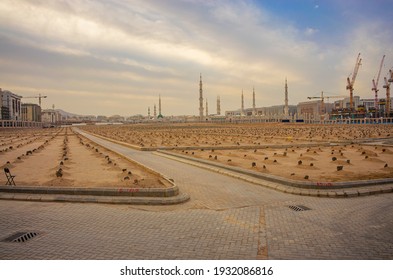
{"x": 226, "y": 218}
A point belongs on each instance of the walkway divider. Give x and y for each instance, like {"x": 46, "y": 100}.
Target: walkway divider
{"x": 328, "y": 189}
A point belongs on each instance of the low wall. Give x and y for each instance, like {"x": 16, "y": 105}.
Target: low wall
{"x": 19, "y": 124}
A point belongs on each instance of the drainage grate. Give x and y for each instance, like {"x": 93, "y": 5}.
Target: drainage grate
{"x": 21, "y": 237}
{"x": 298, "y": 208}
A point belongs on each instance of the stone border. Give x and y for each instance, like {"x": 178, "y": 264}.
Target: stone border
{"x": 340, "y": 189}
{"x": 146, "y": 196}
{"x": 134, "y": 192}
{"x": 128, "y": 200}
{"x": 134, "y": 196}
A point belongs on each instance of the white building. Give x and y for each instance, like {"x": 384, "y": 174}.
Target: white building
{"x": 313, "y": 109}
{"x": 10, "y": 106}
{"x": 50, "y": 116}
{"x": 31, "y": 112}
{"x": 276, "y": 111}
{"x": 345, "y": 103}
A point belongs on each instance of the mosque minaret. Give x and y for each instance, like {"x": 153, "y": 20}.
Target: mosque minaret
{"x": 218, "y": 105}
{"x": 254, "y": 110}
{"x": 286, "y": 111}
{"x": 242, "y": 108}
{"x": 200, "y": 99}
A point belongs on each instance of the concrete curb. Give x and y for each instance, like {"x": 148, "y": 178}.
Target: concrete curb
{"x": 133, "y": 196}
{"x": 129, "y": 200}
{"x": 133, "y": 192}
{"x": 344, "y": 191}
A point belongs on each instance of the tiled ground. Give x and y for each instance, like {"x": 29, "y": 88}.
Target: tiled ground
{"x": 226, "y": 218}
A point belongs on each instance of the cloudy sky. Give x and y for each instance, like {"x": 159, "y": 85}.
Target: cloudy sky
{"x": 116, "y": 56}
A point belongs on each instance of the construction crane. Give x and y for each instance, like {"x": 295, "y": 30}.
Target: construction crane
{"x": 39, "y": 97}
{"x": 387, "y": 86}
{"x": 322, "y": 97}
{"x": 351, "y": 82}
{"x": 375, "y": 85}
{"x": 391, "y": 76}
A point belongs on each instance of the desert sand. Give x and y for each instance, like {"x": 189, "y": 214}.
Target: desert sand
{"x": 221, "y": 135}
{"x": 335, "y": 152}
{"x": 318, "y": 164}
{"x": 318, "y": 153}
{"x": 61, "y": 158}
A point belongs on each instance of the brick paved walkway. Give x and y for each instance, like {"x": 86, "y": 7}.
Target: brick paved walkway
{"x": 226, "y": 218}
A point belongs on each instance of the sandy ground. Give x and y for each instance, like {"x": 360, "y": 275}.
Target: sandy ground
{"x": 35, "y": 156}
{"x": 358, "y": 162}
{"x": 194, "y": 135}
{"x": 318, "y": 163}
{"x": 58, "y": 157}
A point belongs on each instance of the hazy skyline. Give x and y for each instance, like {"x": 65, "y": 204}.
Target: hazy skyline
{"x": 116, "y": 57}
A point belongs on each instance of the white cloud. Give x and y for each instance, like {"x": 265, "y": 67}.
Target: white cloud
{"x": 141, "y": 48}
{"x": 310, "y": 31}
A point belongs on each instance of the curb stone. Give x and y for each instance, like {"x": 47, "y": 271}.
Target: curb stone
{"x": 180, "y": 198}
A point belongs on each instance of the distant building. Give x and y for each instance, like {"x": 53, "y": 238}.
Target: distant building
{"x": 10, "y": 105}
{"x": 116, "y": 118}
{"x": 135, "y": 119}
{"x": 313, "y": 109}
{"x": 370, "y": 102}
{"x": 367, "y": 103}
{"x": 102, "y": 119}
{"x": 309, "y": 108}
{"x": 51, "y": 116}
{"x": 345, "y": 103}
{"x": 90, "y": 118}
{"x": 277, "y": 111}
{"x": 31, "y": 112}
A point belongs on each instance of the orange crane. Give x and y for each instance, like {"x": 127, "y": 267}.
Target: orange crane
{"x": 39, "y": 97}
{"x": 375, "y": 85}
{"x": 322, "y": 97}
{"x": 351, "y": 82}
{"x": 387, "y": 86}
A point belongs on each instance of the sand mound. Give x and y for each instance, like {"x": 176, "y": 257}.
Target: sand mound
{"x": 369, "y": 153}
{"x": 307, "y": 167}
{"x": 306, "y": 158}
{"x": 280, "y": 155}
{"x": 270, "y": 161}
{"x": 248, "y": 156}
{"x": 261, "y": 169}
{"x": 387, "y": 169}
{"x": 18, "y": 161}
{"x": 387, "y": 151}
{"x": 340, "y": 162}
{"x": 231, "y": 163}
{"x": 371, "y": 159}
{"x": 59, "y": 182}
